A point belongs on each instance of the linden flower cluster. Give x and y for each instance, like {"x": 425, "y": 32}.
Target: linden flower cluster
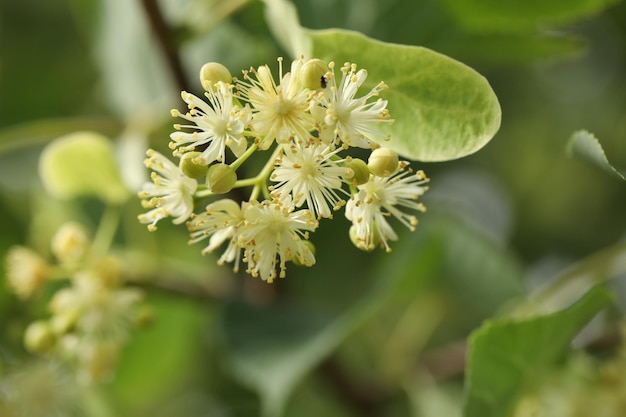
{"x": 307, "y": 121}
{"x": 90, "y": 317}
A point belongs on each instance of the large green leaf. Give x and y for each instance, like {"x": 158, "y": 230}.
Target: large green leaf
{"x": 506, "y": 354}
{"x": 586, "y": 146}
{"x": 509, "y": 16}
{"x": 443, "y": 109}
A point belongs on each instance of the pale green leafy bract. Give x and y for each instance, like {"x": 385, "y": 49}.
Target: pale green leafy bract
{"x": 443, "y": 109}
{"x": 283, "y": 21}
{"x": 510, "y": 16}
{"x": 585, "y": 146}
{"x": 506, "y": 354}
{"x": 82, "y": 164}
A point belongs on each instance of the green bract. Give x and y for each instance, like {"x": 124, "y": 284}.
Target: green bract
{"x": 82, "y": 164}
{"x": 443, "y": 109}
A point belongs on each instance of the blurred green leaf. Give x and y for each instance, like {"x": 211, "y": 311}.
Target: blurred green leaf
{"x": 82, "y": 164}
{"x": 283, "y": 21}
{"x": 585, "y": 145}
{"x": 134, "y": 74}
{"x": 571, "y": 284}
{"x": 506, "y": 354}
{"x": 160, "y": 357}
{"x": 511, "y": 16}
{"x": 443, "y": 109}
{"x": 513, "y": 48}
{"x": 483, "y": 274}
{"x": 272, "y": 348}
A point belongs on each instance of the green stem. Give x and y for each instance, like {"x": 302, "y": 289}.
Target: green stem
{"x": 203, "y": 193}
{"x": 106, "y": 231}
{"x": 244, "y": 157}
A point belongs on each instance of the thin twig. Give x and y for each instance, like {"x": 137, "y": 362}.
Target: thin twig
{"x": 164, "y": 39}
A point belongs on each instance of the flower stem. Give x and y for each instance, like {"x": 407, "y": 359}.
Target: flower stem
{"x": 106, "y": 231}
{"x": 244, "y": 157}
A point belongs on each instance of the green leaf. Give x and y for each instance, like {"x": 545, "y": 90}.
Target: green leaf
{"x": 512, "y": 48}
{"x": 443, "y": 109}
{"x": 82, "y": 164}
{"x": 585, "y": 146}
{"x": 133, "y": 71}
{"x": 506, "y": 354}
{"x": 598, "y": 268}
{"x": 510, "y": 16}
{"x": 272, "y": 349}
{"x": 161, "y": 356}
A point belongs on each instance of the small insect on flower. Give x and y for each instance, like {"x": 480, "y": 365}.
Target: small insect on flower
{"x": 323, "y": 81}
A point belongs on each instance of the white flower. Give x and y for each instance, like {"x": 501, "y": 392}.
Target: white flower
{"x": 279, "y": 111}
{"x": 312, "y": 174}
{"x": 218, "y": 123}
{"x": 380, "y": 198}
{"x": 70, "y": 243}
{"x": 220, "y": 222}
{"x": 98, "y": 310}
{"x": 352, "y": 120}
{"x": 272, "y": 235}
{"x": 169, "y": 194}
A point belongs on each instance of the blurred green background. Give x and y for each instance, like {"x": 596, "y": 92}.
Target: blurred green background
{"x": 359, "y": 333}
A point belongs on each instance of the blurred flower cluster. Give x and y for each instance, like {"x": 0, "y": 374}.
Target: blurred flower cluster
{"x": 91, "y": 309}
{"x": 314, "y": 124}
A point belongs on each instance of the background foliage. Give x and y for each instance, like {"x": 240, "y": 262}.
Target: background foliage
{"x": 515, "y": 234}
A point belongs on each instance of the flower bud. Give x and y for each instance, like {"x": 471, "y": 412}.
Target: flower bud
{"x": 108, "y": 271}
{"x": 70, "y": 243}
{"x": 64, "y": 321}
{"x": 39, "y": 337}
{"x": 383, "y": 162}
{"x": 190, "y": 168}
{"x": 220, "y": 178}
{"x": 212, "y": 72}
{"x": 313, "y": 73}
{"x": 361, "y": 173}
{"x": 359, "y": 243}
{"x": 299, "y": 258}
{"x": 26, "y": 271}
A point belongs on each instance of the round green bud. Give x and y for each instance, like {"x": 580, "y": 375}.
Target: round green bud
{"x": 297, "y": 259}
{"x": 212, "y": 72}
{"x": 64, "y": 322}
{"x": 313, "y": 73}
{"x": 39, "y": 337}
{"x": 361, "y": 173}
{"x": 190, "y": 168}
{"x": 383, "y": 162}
{"x": 220, "y": 178}
{"x": 359, "y": 243}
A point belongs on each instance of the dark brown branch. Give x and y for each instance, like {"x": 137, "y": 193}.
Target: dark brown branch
{"x": 165, "y": 41}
